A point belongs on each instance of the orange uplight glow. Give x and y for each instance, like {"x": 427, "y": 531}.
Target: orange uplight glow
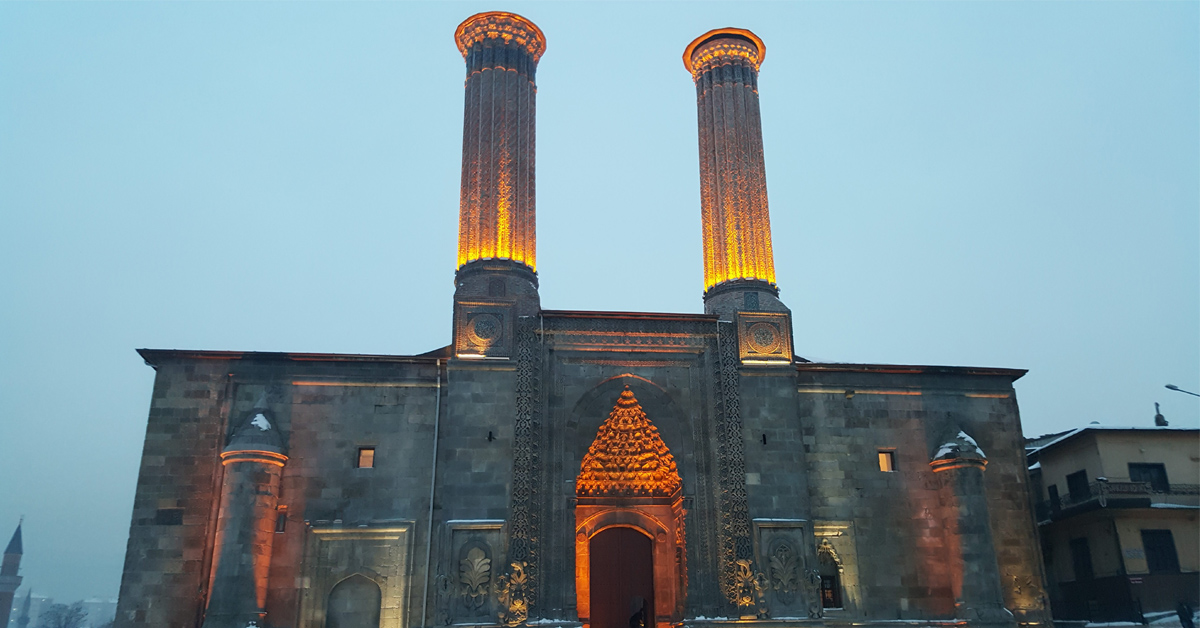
{"x": 695, "y": 63}
{"x": 500, "y": 25}
{"x": 628, "y": 457}
{"x": 735, "y": 220}
{"x": 496, "y": 204}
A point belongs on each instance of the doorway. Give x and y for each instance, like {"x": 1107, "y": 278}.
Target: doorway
{"x": 622, "y": 578}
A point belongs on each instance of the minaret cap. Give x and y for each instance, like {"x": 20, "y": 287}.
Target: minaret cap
{"x": 14, "y": 544}
{"x": 734, "y": 33}
{"x": 500, "y": 25}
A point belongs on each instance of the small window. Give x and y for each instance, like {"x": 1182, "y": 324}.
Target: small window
{"x": 831, "y": 582}
{"x": 281, "y": 520}
{"x": 1160, "y": 551}
{"x": 168, "y": 517}
{"x": 887, "y": 461}
{"x": 366, "y": 457}
{"x": 1055, "y": 502}
{"x": 1077, "y": 486}
{"x": 1154, "y": 474}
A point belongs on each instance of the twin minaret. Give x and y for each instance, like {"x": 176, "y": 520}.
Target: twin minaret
{"x": 496, "y": 280}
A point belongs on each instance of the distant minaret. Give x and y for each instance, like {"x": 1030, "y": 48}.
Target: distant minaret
{"x": 23, "y": 619}
{"x": 9, "y": 580}
{"x": 495, "y": 281}
{"x": 739, "y": 263}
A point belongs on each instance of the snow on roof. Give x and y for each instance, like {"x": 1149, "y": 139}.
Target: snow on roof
{"x": 962, "y": 444}
{"x": 260, "y": 422}
{"x": 1110, "y": 428}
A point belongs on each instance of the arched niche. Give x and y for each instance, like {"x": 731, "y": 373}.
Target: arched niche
{"x": 354, "y": 602}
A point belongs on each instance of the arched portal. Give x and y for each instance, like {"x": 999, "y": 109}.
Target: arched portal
{"x": 629, "y": 525}
{"x": 354, "y": 603}
{"x": 622, "y": 568}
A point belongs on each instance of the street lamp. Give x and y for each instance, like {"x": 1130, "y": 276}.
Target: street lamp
{"x": 1178, "y": 389}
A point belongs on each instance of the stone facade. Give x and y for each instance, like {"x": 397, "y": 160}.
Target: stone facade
{"x": 306, "y": 490}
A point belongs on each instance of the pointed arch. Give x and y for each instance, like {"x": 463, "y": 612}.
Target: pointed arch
{"x": 354, "y": 602}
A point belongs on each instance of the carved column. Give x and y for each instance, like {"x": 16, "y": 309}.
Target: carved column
{"x": 976, "y": 582}
{"x": 253, "y": 463}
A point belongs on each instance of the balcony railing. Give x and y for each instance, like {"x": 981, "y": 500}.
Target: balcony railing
{"x": 1121, "y": 493}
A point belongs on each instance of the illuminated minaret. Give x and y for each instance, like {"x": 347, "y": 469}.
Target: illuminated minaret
{"x": 497, "y": 249}
{"x": 739, "y": 266}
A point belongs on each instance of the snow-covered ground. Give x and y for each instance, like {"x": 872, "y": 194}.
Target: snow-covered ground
{"x": 1165, "y": 619}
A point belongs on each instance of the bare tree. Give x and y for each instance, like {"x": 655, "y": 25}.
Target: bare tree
{"x": 63, "y": 616}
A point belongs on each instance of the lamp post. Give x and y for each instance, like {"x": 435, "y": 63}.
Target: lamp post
{"x": 1178, "y": 389}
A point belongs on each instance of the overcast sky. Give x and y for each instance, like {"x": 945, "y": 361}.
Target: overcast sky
{"x": 988, "y": 184}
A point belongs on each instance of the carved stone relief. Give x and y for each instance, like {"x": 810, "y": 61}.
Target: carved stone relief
{"x": 525, "y": 524}
{"x": 734, "y": 542}
{"x": 474, "y": 575}
{"x": 784, "y": 549}
{"x": 764, "y": 337}
{"x": 785, "y": 570}
{"x": 483, "y": 328}
{"x": 473, "y": 549}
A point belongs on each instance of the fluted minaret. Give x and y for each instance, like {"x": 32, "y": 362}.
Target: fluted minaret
{"x": 496, "y": 279}
{"x": 739, "y": 265}
{"x": 496, "y": 205}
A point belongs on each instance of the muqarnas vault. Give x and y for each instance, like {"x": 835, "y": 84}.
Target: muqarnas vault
{"x": 571, "y": 467}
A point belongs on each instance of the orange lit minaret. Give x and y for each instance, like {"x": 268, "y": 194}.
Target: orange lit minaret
{"x": 495, "y": 280}
{"x": 496, "y": 205}
{"x": 739, "y": 266}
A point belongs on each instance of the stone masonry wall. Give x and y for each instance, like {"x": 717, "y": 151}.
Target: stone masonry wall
{"x": 176, "y": 496}
{"x": 325, "y": 411}
{"x": 900, "y": 523}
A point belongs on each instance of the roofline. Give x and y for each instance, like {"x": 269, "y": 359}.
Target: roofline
{"x": 912, "y": 369}
{"x": 154, "y": 357}
{"x": 1100, "y": 428}
{"x": 647, "y": 316}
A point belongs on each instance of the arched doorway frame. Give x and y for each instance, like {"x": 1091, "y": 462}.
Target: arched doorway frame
{"x": 365, "y": 574}
{"x": 658, "y": 519}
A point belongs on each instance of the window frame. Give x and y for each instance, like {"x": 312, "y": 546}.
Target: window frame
{"x": 369, "y": 452}
{"x": 1159, "y": 483}
{"x": 890, "y": 456}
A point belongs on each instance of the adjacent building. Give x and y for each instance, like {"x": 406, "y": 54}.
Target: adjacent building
{"x": 1118, "y": 511}
{"x": 584, "y": 468}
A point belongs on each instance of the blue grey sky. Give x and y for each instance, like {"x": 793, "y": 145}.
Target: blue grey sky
{"x": 964, "y": 183}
